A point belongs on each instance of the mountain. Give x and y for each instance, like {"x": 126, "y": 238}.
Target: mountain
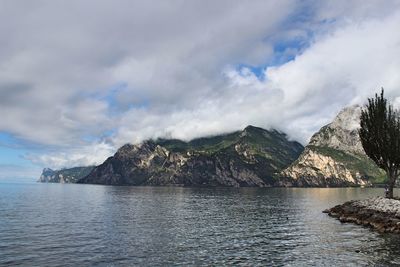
{"x": 251, "y": 157}
{"x": 335, "y": 156}
{"x": 71, "y": 175}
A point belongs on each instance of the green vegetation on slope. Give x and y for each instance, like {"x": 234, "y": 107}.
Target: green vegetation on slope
{"x": 207, "y": 145}
{"x": 272, "y": 145}
{"x": 259, "y": 142}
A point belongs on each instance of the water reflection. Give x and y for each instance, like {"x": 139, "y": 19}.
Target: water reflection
{"x": 70, "y": 225}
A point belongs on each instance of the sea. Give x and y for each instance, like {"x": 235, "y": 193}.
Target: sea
{"x": 95, "y": 225}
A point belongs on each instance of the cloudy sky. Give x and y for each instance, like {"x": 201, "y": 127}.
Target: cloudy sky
{"x": 80, "y": 78}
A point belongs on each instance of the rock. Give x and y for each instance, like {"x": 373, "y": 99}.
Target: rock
{"x": 379, "y": 213}
{"x": 334, "y": 156}
{"x": 342, "y": 132}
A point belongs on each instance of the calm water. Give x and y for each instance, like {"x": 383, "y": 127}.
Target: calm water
{"x": 88, "y": 225}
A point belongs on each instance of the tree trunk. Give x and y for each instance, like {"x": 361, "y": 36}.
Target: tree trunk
{"x": 392, "y": 180}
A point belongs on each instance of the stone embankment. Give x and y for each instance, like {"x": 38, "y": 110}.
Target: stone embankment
{"x": 382, "y": 214}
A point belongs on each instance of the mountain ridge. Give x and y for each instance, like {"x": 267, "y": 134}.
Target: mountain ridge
{"x": 253, "y": 156}
{"x": 250, "y": 157}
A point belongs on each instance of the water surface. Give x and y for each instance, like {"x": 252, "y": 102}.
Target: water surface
{"x": 89, "y": 225}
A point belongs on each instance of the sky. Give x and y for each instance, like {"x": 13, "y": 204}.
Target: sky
{"x": 78, "y": 79}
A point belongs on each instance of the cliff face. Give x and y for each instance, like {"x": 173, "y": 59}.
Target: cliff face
{"x": 334, "y": 156}
{"x": 342, "y": 133}
{"x": 250, "y": 157}
{"x": 71, "y": 175}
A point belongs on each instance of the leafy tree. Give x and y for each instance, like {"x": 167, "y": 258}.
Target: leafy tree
{"x": 380, "y": 136}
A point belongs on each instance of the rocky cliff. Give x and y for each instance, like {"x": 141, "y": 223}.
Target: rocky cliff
{"x": 334, "y": 156}
{"x": 71, "y": 175}
{"x": 251, "y": 157}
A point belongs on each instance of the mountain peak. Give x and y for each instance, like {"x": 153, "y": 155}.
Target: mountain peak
{"x": 342, "y": 133}
{"x": 251, "y": 128}
{"x": 348, "y": 118}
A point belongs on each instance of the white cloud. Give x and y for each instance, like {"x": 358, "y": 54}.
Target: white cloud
{"x": 92, "y": 154}
{"x": 341, "y": 68}
{"x": 61, "y": 62}
{"x": 168, "y": 54}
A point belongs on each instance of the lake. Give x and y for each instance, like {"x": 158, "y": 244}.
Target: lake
{"x": 92, "y": 225}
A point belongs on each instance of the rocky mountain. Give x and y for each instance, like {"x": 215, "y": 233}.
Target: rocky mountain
{"x": 334, "y": 157}
{"x": 71, "y": 175}
{"x": 251, "y": 157}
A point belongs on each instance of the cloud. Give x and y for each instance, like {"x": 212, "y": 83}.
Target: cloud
{"x": 18, "y": 173}
{"x": 54, "y": 55}
{"x": 80, "y": 78}
{"x": 92, "y": 154}
{"x": 339, "y": 68}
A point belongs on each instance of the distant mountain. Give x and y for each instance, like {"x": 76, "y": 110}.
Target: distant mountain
{"x": 71, "y": 175}
{"x": 254, "y": 156}
{"x": 335, "y": 156}
{"x": 251, "y": 157}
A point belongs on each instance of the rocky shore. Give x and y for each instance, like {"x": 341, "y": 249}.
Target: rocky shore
{"x": 382, "y": 214}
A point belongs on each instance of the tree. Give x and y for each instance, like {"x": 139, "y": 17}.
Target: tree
{"x": 380, "y": 136}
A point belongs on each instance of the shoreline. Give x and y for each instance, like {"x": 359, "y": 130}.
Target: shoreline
{"x": 379, "y": 213}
